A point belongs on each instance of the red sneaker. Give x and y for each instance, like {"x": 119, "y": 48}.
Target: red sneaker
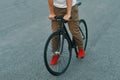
{"x": 54, "y": 59}
{"x": 81, "y": 53}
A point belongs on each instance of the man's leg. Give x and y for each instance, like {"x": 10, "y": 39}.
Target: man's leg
{"x": 55, "y": 41}
{"x": 74, "y": 28}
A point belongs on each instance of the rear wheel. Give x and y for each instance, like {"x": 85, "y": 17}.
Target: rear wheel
{"x": 63, "y": 48}
{"x": 84, "y": 33}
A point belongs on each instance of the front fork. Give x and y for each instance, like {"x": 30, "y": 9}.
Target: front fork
{"x": 60, "y": 43}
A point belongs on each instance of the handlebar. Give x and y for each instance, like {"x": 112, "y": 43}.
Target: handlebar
{"x": 60, "y": 18}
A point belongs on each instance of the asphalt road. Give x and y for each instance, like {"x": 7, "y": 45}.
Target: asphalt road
{"x": 24, "y": 28}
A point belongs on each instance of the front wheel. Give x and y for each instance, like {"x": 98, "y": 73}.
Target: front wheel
{"x": 57, "y": 43}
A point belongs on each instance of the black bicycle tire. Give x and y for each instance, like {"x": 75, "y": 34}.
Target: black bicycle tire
{"x": 86, "y": 29}
{"x": 45, "y": 54}
{"x": 85, "y": 26}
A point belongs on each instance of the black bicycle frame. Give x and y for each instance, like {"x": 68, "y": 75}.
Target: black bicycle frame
{"x": 65, "y": 32}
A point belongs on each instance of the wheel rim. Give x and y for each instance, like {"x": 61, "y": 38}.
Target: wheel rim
{"x": 62, "y": 62}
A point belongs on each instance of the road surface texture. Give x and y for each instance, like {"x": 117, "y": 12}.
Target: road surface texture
{"x": 24, "y": 29}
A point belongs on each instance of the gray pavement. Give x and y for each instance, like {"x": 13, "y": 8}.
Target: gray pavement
{"x": 24, "y": 28}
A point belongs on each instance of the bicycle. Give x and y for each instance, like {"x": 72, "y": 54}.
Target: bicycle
{"x": 64, "y": 45}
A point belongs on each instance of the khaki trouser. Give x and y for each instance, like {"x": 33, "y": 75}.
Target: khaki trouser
{"x": 73, "y": 25}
